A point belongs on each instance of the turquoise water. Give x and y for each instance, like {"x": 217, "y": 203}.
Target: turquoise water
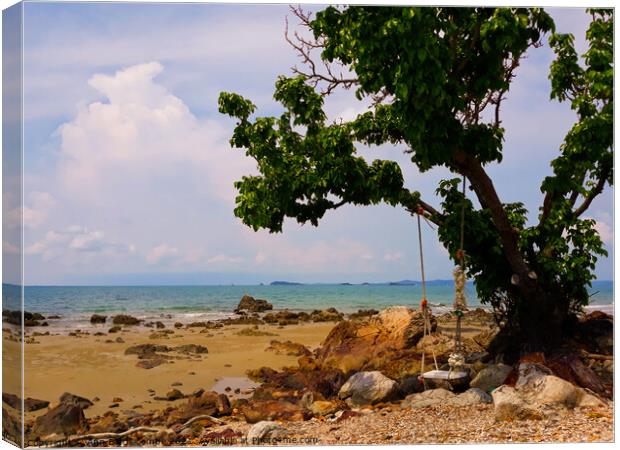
{"x": 219, "y": 301}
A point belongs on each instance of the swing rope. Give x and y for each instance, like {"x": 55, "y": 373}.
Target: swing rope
{"x": 424, "y": 302}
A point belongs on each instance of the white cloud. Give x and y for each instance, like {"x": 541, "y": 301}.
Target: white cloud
{"x": 394, "y": 256}
{"x": 224, "y": 259}
{"x": 33, "y": 214}
{"x": 75, "y": 240}
{"x": 139, "y": 135}
{"x": 163, "y": 253}
{"x": 605, "y": 230}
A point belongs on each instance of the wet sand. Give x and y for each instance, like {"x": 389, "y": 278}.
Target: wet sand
{"x": 88, "y": 366}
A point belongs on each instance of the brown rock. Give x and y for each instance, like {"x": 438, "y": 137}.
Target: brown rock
{"x": 65, "y": 418}
{"x": 82, "y": 402}
{"x": 385, "y": 341}
{"x": 287, "y": 348}
{"x": 257, "y": 411}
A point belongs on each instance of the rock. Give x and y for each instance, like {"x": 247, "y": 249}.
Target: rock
{"x": 160, "y": 325}
{"x": 115, "y": 329}
{"x": 109, "y": 423}
{"x": 209, "y": 403}
{"x": 491, "y": 377}
{"x": 327, "y": 315}
{"x": 124, "y": 319}
{"x": 145, "y": 351}
{"x": 96, "y": 318}
{"x": 385, "y": 342}
{"x": 366, "y": 388}
{"x": 251, "y": 304}
{"x": 191, "y": 348}
{"x": 261, "y": 410}
{"x": 72, "y": 399}
{"x": 572, "y": 369}
{"x": 473, "y": 396}
{"x": 12, "y": 400}
{"x": 508, "y": 405}
{"x": 265, "y": 432}
{"x": 119, "y": 340}
{"x": 66, "y": 418}
{"x": 32, "y": 404}
{"x": 291, "y": 384}
{"x": 345, "y": 415}
{"x": 326, "y": 407}
{"x": 151, "y": 363}
{"x": 363, "y": 313}
{"x": 410, "y": 385}
{"x": 428, "y": 398}
{"x": 596, "y": 331}
{"x": 174, "y": 394}
{"x": 117, "y": 400}
{"x": 178, "y": 325}
{"x": 288, "y": 348}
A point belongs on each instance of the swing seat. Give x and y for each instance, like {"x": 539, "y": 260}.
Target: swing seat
{"x": 444, "y": 375}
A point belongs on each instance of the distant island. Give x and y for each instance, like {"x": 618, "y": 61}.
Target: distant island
{"x": 285, "y": 283}
{"x": 384, "y": 283}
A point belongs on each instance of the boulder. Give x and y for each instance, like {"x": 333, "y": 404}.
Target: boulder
{"x": 109, "y": 423}
{"x": 428, "y": 398}
{"x": 145, "y": 351}
{"x": 473, "y": 396}
{"x": 509, "y": 405}
{"x": 363, "y": 313}
{"x": 191, "y": 349}
{"x": 261, "y": 410}
{"x": 96, "y": 318}
{"x": 538, "y": 393}
{"x": 326, "y": 315}
{"x": 124, "y": 319}
{"x": 385, "y": 342}
{"x": 491, "y": 377}
{"x": 33, "y": 404}
{"x": 174, "y": 394}
{"x": 367, "y": 388}
{"x": 208, "y": 403}
{"x": 249, "y": 303}
{"x": 65, "y": 419}
{"x": 288, "y": 348}
{"x": 265, "y": 432}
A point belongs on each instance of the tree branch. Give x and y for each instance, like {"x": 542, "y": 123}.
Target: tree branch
{"x": 592, "y": 194}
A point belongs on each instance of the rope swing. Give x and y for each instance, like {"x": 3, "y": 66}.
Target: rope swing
{"x": 456, "y": 360}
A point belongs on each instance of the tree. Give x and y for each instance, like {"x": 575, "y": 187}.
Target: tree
{"x": 437, "y": 78}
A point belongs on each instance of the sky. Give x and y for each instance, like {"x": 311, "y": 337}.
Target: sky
{"x": 129, "y": 174}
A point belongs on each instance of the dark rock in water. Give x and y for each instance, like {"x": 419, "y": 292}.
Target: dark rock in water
{"x": 96, "y": 318}
{"x": 53, "y": 316}
{"x": 65, "y": 419}
{"x": 249, "y": 303}
{"x": 82, "y": 402}
{"x": 15, "y": 318}
{"x": 123, "y": 319}
{"x": 257, "y": 411}
{"x": 288, "y": 348}
{"x": 178, "y": 325}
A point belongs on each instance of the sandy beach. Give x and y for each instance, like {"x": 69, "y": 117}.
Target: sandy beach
{"x": 146, "y": 375}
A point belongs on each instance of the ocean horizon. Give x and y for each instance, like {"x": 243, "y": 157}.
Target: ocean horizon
{"x": 75, "y": 304}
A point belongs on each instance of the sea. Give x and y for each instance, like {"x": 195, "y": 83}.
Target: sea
{"x": 75, "y": 304}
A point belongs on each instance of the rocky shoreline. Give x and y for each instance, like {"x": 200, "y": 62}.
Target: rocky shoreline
{"x": 359, "y": 384}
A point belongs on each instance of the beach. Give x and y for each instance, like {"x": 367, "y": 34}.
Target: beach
{"x": 270, "y": 364}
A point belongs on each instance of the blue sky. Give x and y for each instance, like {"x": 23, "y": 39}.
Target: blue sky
{"x": 129, "y": 173}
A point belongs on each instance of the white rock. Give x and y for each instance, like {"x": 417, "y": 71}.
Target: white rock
{"x": 473, "y": 396}
{"x": 366, "y": 388}
{"x": 428, "y": 398}
{"x": 491, "y": 377}
{"x": 265, "y": 431}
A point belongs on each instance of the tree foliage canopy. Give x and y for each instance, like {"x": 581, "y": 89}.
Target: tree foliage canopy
{"x": 438, "y": 77}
